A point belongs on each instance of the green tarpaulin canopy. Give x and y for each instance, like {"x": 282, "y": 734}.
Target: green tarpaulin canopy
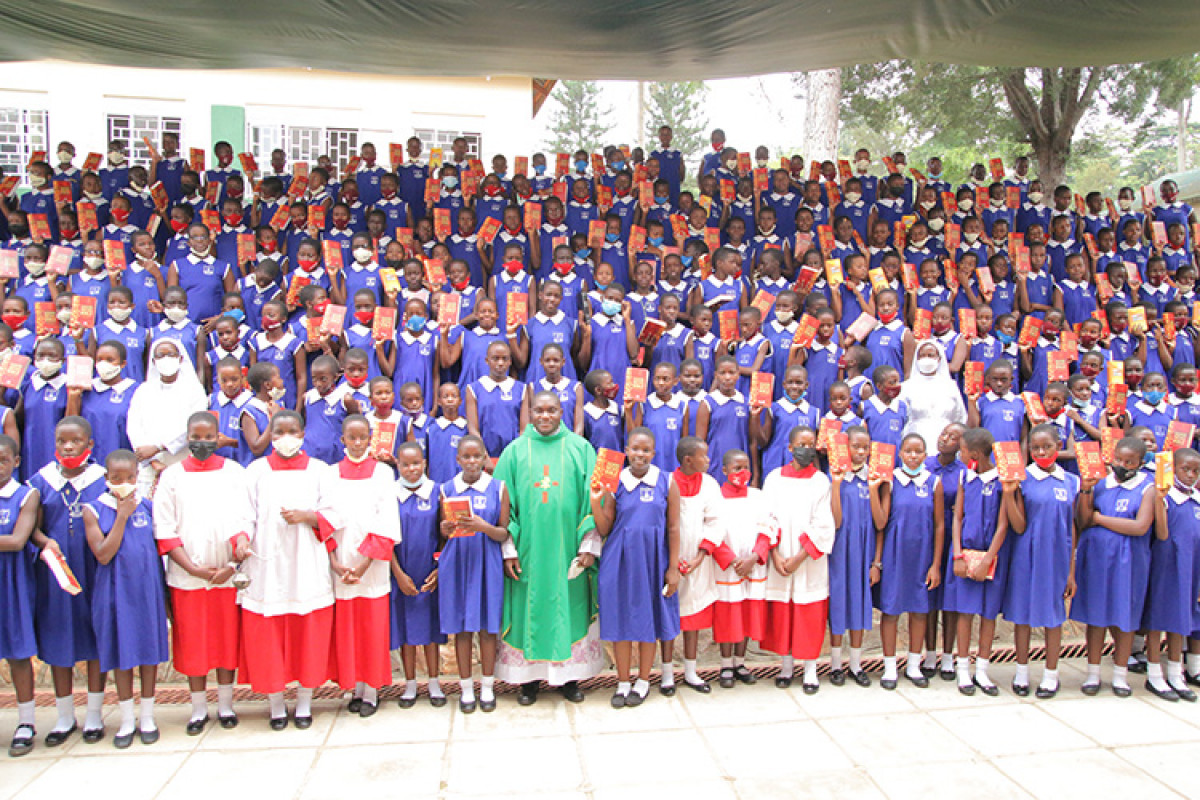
{"x": 618, "y": 39}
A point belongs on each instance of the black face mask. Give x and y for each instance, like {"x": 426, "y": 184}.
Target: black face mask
{"x": 396, "y": 264}
{"x": 189, "y": 188}
{"x": 18, "y": 231}
{"x": 202, "y": 451}
{"x": 1123, "y": 474}
{"x": 804, "y": 456}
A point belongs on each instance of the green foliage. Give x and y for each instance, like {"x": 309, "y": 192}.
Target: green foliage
{"x": 578, "y": 121}
{"x": 679, "y": 104}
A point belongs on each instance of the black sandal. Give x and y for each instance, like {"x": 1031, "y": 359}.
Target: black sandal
{"x": 744, "y": 675}
{"x": 22, "y": 743}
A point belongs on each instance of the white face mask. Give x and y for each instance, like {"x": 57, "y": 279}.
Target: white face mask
{"x": 853, "y": 197}
{"x": 48, "y": 368}
{"x": 768, "y": 231}
{"x": 277, "y": 393}
{"x": 93, "y": 262}
{"x": 731, "y": 164}
{"x": 927, "y": 365}
{"x": 966, "y": 204}
{"x": 936, "y": 224}
{"x": 366, "y": 454}
{"x": 927, "y": 204}
{"x": 785, "y": 317}
{"x": 37, "y": 181}
{"x": 35, "y": 268}
{"x": 919, "y": 243}
{"x": 121, "y": 490}
{"x": 201, "y": 253}
{"x": 1124, "y": 203}
{"x": 288, "y": 445}
{"x": 996, "y": 202}
{"x": 168, "y": 366}
{"x": 107, "y": 370}
{"x": 362, "y": 254}
{"x": 65, "y": 156}
{"x": 1035, "y": 197}
{"x": 175, "y": 315}
{"x": 63, "y": 315}
{"x": 862, "y": 165}
{"x": 94, "y": 196}
{"x": 971, "y": 237}
{"x": 119, "y": 314}
{"x": 116, "y": 157}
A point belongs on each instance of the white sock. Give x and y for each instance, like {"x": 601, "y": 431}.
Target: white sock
{"x": 127, "y": 722}
{"x": 358, "y": 689}
{"x": 981, "y": 667}
{"x": 147, "y": 714}
{"x": 856, "y": 660}
{"x": 1120, "y": 677}
{"x": 1175, "y": 675}
{"x": 278, "y": 708}
{"x": 738, "y": 661}
{"x": 889, "y": 668}
{"x": 487, "y": 688}
{"x": 691, "y": 676}
{"x": 947, "y": 664}
{"x": 1021, "y": 678}
{"x": 623, "y": 687}
{"x": 435, "y": 688}
{"x": 225, "y": 699}
{"x": 1093, "y": 675}
{"x": 1193, "y": 664}
{"x": 95, "y": 711}
{"x": 913, "y": 666}
{"x": 787, "y": 667}
{"x": 467, "y": 687}
{"x": 199, "y": 706}
{"x": 810, "y": 673}
{"x": 65, "y": 706}
{"x": 930, "y": 661}
{"x": 26, "y": 713}
{"x": 1049, "y": 679}
{"x": 963, "y": 668}
{"x": 726, "y": 663}
{"x": 641, "y": 687}
{"x": 370, "y": 695}
{"x": 410, "y": 690}
{"x": 835, "y": 658}
{"x": 1154, "y": 676}
{"x": 668, "y": 676}
{"x": 304, "y": 702}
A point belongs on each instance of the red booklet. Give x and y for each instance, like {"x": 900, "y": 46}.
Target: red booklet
{"x": 607, "y": 473}
{"x": 383, "y": 439}
{"x": 333, "y": 322}
{"x": 973, "y": 378}
{"x": 62, "y": 193}
{"x": 13, "y": 367}
{"x": 652, "y": 331}
{"x": 882, "y": 461}
{"x": 246, "y": 250}
{"x": 967, "y": 325}
{"x": 383, "y": 326}
{"x": 441, "y": 224}
{"x": 114, "y": 256}
{"x": 435, "y": 272}
{"x": 727, "y": 324}
{"x": 596, "y": 230}
{"x": 1117, "y": 398}
{"x": 316, "y": 217}
{"x": 332, "y": 251}
{"x": 1030, "y": 329}
{"x": 1009, "y": 462}
{"x": 196, "y": 159}
{"x": 762, "y": 390}
{"x": 923, "y": 324}
{"x": 1058, "y": 366}
{"x": 457, "y": 509}
{"x": 839, "y": 453}
{"x": 806, "y": 331}
{"x": 517, "y": 308}
{"x": 487, "y": 231}
{"x": 1091, "y": 465}
{"x": 83, "y": 312}
{"x": 450, "y": 308}
{"x": 637, "y": 384}
{"x": 45, "y": 320}
{"x": 827, "y": 428}
{"x": 1179, "y": 435}
{"x": 1034, "y": 408}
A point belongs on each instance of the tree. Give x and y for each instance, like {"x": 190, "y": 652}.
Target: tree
{"x": 579, "y": 121}
{"x": 679, "y": 104}
{"x": 1005, "y": 111}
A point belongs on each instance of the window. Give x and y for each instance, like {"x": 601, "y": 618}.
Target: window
{"x": 302, "y": 143}
{"x": 21, "y": 132}
{"x": 130, "y": 128}
{"x": 444, "y": 139}
{"x": 342, "y": 144}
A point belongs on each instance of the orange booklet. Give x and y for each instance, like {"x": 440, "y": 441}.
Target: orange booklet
{"x": 1009, "y": 461}
{"x": 450, "y": 308}
{"x": 637, "y": 384}
{"x": 297, "y": 283}
{"x": 333, "y": 321}
{"x": 967, "y": 325}
{"x": 908, "y": 274}
{"x": 827, "y": 428}
{"x": 808, "y": 278}
{"x": 245, "y": 248}
{"x": 45, "y": 320}
{"x": 839, "y": 453}
{"x": 879, "y": 280}
{"x": 457, "y": 509}
{"x": 13, "y": 367}
{"x": 196, "y": 159}
{"x": 316, "y": 217}
{"x": 517, "y": 309}
{"x": 383, "y": 439}
{"x": 825, "y": 239}
{"x": 1179, "y": 435}
{"x": 973, "y": 378}
{"x": 953, "y": 236}
{"x": 395, "y": 153}
{"x": 1108, "y": 443}
{"x": 763, "y": 301}
{"x": 441, "y": 224}
{"x": 996, "y": 165}
{"x": 1030, "y": 329}
{"x": 1034, "y": 408}
{"x": 298, "y": 187}
{"x": 488, "y": 230}
{"x": 1091, "y": 465}
{"x": 83, "y": 312}
{"x": 39, "y": 228}
{"x": 435, "y": 272}
{"x": 114, "y": 256}
{"x": 861, "y": 328}
{"x": 1068, "y": 343}
{"x": 433, "y": 190}
{"x": 7, "y": 185}
{"x": 211, "y": 220}
{"x": 1012, "y": 197}
{"x": 1116, "y": 373}
{"x": 63, "y": 193}
{"x": 607, "y": 473}
{"x": 1164, "y": 471}
{"x": 596, "y": 231}
{"x": 882, "y": 461}
{"x": 923, "y": 324}
{"x": 1058, "y": 366}
{"x": 652, "y": 331}
{"x": 833, "y": 272}
{"x": 79, "y": 372}
{"x": 383, "y": 326}
{"x": 86, "y": 212}
{"x": 332, "y": 252}
{"x": 762, "y": 390}
{"x": 92, "y": 162}
{"x": 727, "y": 325}
{"x": 212, "y": 194}
{"x": 1137, "y": 320}
{"x": 1117, "y": 398}
{"x": 806, "y": 331}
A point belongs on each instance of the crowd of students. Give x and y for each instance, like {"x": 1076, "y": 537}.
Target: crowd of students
{"x": 270, "y": 374}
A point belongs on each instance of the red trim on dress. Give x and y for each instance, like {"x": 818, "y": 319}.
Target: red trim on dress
{"x": 211, "y": 464}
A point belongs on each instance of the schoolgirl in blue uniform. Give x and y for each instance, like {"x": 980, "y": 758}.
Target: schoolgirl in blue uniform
{"x": 18, "y": 641}
{"x": 787, "y": 413}
{"x": 178, "y": 324}
{"x": 63, "y": 622}
{"x": 445, "y": 432}
{"x": 227, "y": 403}
{"x": 121, "y": 328}
{"x": 908, "y": 556}
{"x": 471, "y": 569}
{"x": 723, "y": 419}
{"x": 886, "y": 342}
{"x": 1112, "y": 561}
{"x": 663, "y": 413}
{"x": 1153, "y": 410}
{"x": 603, "y": 424}
{"x": 998, "y": 409}
{"x": 415, "y": 591}
{"x": 278, "y": 346}
{"x": 639, "y": 558}
{"x": 550, "y": 325}
{"x": 610, "y": 342}
{"x": 850, "y": 608}
{"x": 324, "y": 411}
{"x": 416, "y": 354}
{"x": 703, "y": 344}
{"x": 884, "y": 413}
{"x": 469, "y": 346}
{"x": 821, "y": 360}
{"x": 106, "y": 404}
{"x": 494, "y": 402}
{"x": 128, "y": 606}
{"x": 43, "y": 402}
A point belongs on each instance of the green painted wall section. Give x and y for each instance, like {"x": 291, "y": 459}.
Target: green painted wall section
{"x": 229, "y": 124}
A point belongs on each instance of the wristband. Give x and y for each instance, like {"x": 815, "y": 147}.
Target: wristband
{"x": 960, "y": 556}
{"x": 877, "y": 565}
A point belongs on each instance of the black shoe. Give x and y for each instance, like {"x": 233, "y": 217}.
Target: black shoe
{"x": 228, "y": 722}
{"x": 837, "y": 677}
{"x": 948, "y": 674}
{"x": 1185, "y": 694}
{"x": 1044, "y": 694}
{"x": 279, "y": 723}
{"x": 811, "y": 688}
{"x": 93, "y": 735}
{"x": 22, "y": 741}
{"x": 783, "y": 683}
{"x": 702, "y": 687}
{"x": 437, "y": 701}
{"x": 968, "y": 689}
{"x": 407, "y": 702}
{"x": 634, "y": 699}
{"x": 528, "y": 694}
{"x": 1190, "y": 679}
{"x": 1022, "y": 689}
{"x": 123, "y": 742}
{"x": 571, "y": 691}
{"x": 726, "y": 679}
{"x": 928, "y": 672}
{"x": 1090, "y": 689}
{"x": 744, "y": 675}
{"x": 1122, "y": 691}
{"x": 1137, "y": 662}
{"x": 861, "y": 677}
{"x": 55, "y": 738}
{"x": 150, "y": 736}
{"x": 195, "y": 727}
{"x": 367, "y": 709}
{"x": 888, "y": 683}
{"x": 466, "y": 707}
{"x": 1167, "y": 694}
{"x": 487, "y": 706}
{"x": 920, "y": 682}
{"x": 618, "y": 700}
{"x": 666, "y": 691}
{"x": 304, "y": 723}
{"x": 990, "y": 689}
{"x": 355, "y": 705}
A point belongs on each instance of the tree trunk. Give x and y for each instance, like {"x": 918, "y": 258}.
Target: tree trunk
{"x": 1051, "y": 159}
{"x": 1181, "y": 134}
{"x": 821, "y": 114}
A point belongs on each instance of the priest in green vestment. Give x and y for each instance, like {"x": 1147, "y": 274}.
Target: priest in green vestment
{"x": 549, "y": 595}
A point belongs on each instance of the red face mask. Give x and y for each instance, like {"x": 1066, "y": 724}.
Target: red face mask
{"x": 622, "y": 191}
{"x": 178, "y": 226}
{"x": 1089, "y": 370}
{"x": 513, "y": 229}
{"x": 271, "y": 324}
{"x": 73, "y": 462}
{"x": 356, "y": 380}
{"x": 236, "y": 194}
{"x": 320, "y": 306}
{"x": 15, "y": 321}
{"x": 364, "y": 317}
{"x": 1087, "y": 342}
{"x": 563, "y": 268}
{"x": 941, "y": 328}
{"x": 493, "y": 191}
{"x": 524, "y": 192}
{"x": 350, "y": 197}
{"x": 341, "y": 224}
{"x": 886, "y": 316}
{"x": 1046, "y": 462}
{"x": 233, "y": 220}
{"x": 458, "y": 286}
{"x": 306, "y": 264}
{"x": 120, "y": 215}
{"x": 270, "y": 246}
{"x": 513, "y": 267}
{"x": 740, "y": 478}
{"x": 388, "y": 194}
{"x": 67, "y": 233}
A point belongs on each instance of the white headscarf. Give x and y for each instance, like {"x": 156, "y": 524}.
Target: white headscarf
{"x": 158, "y": 412}
{"x": 934, "y": 400}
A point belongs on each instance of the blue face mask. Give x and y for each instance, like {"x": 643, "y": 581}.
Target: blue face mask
{"x": 1004, "y": 338}
{"x": 1154, "y": 397}
{"x": 416, "y": 323}
{"x": 912, "y": 472}
{"x": 612, "y": 237}
{"x": 654, "y": 241}
{"x": 618, "y": 166}
{"x": 581, "y": 166}
{"x": 1148, "y": 458}
{"x": 237, "y": 314}
{"x": 600, "y": 287}
{"x": 450, "y": 182}
{"x": 584, "y": 253}
{"x": 502, "y": 175}
{"x": 798, "y": 397}
{"x": 662, "y": 201}
{"x": 539, "y": 169}
{"x": 610, "y": 308}
{"x": 687, "y": 260}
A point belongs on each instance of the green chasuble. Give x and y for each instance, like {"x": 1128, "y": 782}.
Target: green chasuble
{"x": 548, "y": 481}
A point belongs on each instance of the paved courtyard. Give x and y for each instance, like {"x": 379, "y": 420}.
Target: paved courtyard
{"x": 747, "y": 742}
